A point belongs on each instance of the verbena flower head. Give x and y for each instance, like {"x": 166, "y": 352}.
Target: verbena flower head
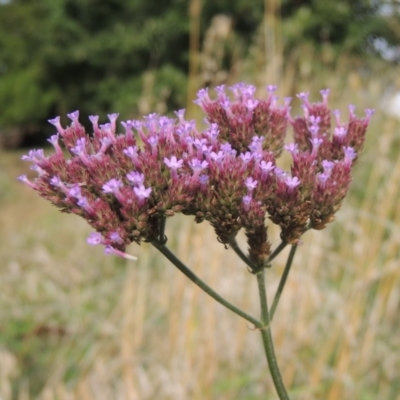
{"x": 226, "y": 174}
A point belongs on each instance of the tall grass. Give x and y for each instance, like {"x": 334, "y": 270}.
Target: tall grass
{"x": 75, "y": 324}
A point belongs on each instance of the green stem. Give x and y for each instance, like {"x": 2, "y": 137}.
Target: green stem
{"x": 267, "y": 340}
{"x": 233, "y": 243}
{"x": 162, "y": 239}
{"x": 202, "y": 285}
{"x": 280, "y": 247}
{"x": 283, "y": 280}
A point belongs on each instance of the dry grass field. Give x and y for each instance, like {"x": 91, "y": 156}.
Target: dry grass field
{"x": 78, "y": 325}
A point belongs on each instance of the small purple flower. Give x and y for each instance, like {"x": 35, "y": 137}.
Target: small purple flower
{"x": 251, "y": 104}
{"x": 94, "y": 119}
{"x": 336, "y": 114}
{"x": 80, "y": 146}
{"x": 316, "y": 143}
{"x": 217, "y": 157}
{"x": 303, "y": 96}
{"x": 266, "y": 167}
{"x": 226, "y": 148}
{"x": 325, "y": 94}
{"x": 314, "y": 120}
{"x": 95, "y": 238}
{"x": 38, "y": 170}
{"x": 54, "y": 141}
{"x": 112, "y": 250}
{"x": 256, "y": 144}
{"x": 250, "y": 183}
{"x": 322, "y": 179}
{"x": 292, "y": 148}
{"x": 203, "y": 179}
{"x": 352, "y": 109}
{"x": 34, "y": 156}
{"x": 56, "y": 122}
{"x": 314, "y": 129}
{"x": 272, "y": 88}
{"x": 56, "y": 181}
{"x": 369, "y": 112}
{"x": 141, "y": 192}
{"x": 349, "y": 155}
{"x": 84, "y": 203}
{"x": 136, "y": 178}
{"x": 327, "y": 165}
{"x": 152, "y": 140}
{"x": 112, "y": 186}
{"x": 116, "y": 237}
{"x": 246, "y": 157}
{"x": 105, "y": 143}
{"x": 23, "y": 178}
{"x": 113, "y": 119}
{"x": 292, "y": 182}
{"x": 246, "y": 200}
{"x": 173, "y": 163}
{"x": 75, "y": 191}
{"x": 132, "y": 153}
{"x": 248, "y": 90}
{"x": 340, "y": 132}
{"x": 197, "y": 165}
{"x": 181, "y": 115}
{"x": 74, "y": 116}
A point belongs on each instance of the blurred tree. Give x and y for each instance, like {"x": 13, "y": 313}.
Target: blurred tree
{"x": 346, "y": 26}
{"x": 131, "y": 56}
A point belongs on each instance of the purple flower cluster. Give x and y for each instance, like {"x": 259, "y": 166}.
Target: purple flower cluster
{"x": 124, "y": 184}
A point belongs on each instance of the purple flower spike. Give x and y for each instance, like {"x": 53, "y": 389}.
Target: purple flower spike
{"x": 272, "y": 88}
{"x": 95, "y": 238}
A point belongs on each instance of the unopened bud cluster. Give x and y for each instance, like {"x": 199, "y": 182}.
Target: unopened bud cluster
{"x": 124, "y": 184}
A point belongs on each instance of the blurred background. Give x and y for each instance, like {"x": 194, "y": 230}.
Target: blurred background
{"x": 76, "y": 324}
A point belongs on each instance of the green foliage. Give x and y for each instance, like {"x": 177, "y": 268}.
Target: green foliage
{"x": 345, "y": 25}
{"x": 131, "y": 56}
